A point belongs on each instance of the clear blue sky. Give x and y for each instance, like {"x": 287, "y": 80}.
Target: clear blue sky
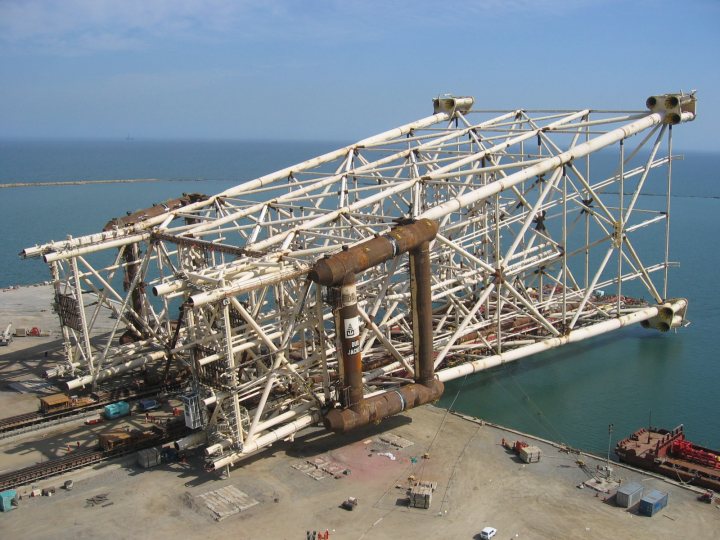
{"x": 339, "y": 70}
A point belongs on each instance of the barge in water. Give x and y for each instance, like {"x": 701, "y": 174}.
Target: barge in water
{"x": 671, "y": 454}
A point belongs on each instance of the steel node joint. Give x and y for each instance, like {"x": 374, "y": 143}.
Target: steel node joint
{"x": 673, "y": 107}
{"x": 450, "y": 104}
{"x": 343, "y": 266}
{"x": 382, "y": 406}
{"x": 670, "y": 314}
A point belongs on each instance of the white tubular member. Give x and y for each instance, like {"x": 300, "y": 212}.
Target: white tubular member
{"x": 218, "y": 447}
{"x": 331, "y": 179}
{"x": 551, "y": 343}
{"x": 287, "y": 415}
{"x": 59, "y": 245}
{"x": 269, "y": 438}
{"x": 210, "y": 400}
{"x": 115, "y": 370}
{"x": 100, "y": 241}
{"x": 203, "y": 298}
{"x": 262, "y": 426}
{"x": 190, "y": 441}
{"x": 330, "y": 156}
{"x": 92, "y": 248}
{"x": 581, "y": 150}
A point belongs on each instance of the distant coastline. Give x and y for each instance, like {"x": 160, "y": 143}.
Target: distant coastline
{"x": 84, "y": 182}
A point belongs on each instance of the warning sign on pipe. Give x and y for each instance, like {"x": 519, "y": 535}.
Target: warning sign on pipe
{"x": 352, "y": 327}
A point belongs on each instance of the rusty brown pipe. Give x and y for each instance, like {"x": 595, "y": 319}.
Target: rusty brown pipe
{"x": 132, "y": 267}
{"x": 340, "y": 270}
{"x": 335, "y": 269}
{"x": 347, "y": 325}
{"x": 421, "y": 299}
{"x": 153, "y": 211}
{"x": 378, "y": 407}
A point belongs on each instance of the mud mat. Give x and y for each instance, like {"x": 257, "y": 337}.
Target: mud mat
{"x": 321, "y": 467}
{"x": 225, "y": 502}
{"x": 395, "y": 440}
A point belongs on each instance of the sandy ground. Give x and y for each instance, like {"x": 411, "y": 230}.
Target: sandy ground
{"x": 26, "y": 357}
{"x": 479, "y": 483}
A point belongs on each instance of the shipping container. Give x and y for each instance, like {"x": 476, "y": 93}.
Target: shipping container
{"x": 629, "y": 495}
{"x": 116, "y": 410}
{"x": 653, "y": 502}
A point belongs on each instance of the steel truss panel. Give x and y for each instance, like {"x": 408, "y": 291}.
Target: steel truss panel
{"x": 543, "y": 239}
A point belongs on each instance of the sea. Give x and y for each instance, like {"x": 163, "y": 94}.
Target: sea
{"x": 586, "y": 395}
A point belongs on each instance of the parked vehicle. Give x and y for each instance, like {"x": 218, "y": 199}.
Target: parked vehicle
{"x": 488, "y": 532}
{"x": 707, "y": 497}
{"x": 116, "y": 410}
{"x": 149, "y": 404}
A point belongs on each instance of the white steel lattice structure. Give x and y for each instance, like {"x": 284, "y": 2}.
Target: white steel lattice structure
{"x": 520, "y": 233}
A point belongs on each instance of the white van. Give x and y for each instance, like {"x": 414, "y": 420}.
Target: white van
{"x": 487, "y": 533}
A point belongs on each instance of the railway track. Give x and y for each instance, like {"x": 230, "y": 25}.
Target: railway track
{"x": 82, "y": 458}
{"x": 22, "y": 423}
{"x": 54, "y": 467}
{"x": 8, "y": 424}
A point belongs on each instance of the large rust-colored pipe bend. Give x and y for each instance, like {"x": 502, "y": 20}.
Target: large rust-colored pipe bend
{"x": 334, "y": 270}
{"x": 381, "y": 406}
{"x": 339, "y": 270}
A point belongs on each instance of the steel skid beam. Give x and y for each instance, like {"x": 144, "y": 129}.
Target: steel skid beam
{"x": 350, "y": 286}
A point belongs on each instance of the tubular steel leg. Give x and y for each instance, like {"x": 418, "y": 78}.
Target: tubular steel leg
{"x": 347, "y": 322}
{"x": 421, "y": 293}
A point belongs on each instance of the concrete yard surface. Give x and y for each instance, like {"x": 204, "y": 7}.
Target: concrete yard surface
{"x": 299, "y": 486}
{"x": 479, "y": 484}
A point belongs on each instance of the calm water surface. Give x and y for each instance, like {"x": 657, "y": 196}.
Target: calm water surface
{"x": 569, "y": 394}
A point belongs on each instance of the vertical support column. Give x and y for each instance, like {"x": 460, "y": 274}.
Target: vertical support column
{"x": 586, "y": 194}
{"x": 192, "y": 338}
{"x": 421, "y": 298}
{"x": 565, "y": 256}
{"x": 347, "y": 325}
{"x": 620, "y": 226}
{"x": 667, "y": 213}
{"x": 498, "y": 269}
{"x": 320, "y": 330}
{"x": 83, "y": 318}
{"x": 67, "y": 346}
{"x": 232, "y": 374}
{"x": 131, "y": 256}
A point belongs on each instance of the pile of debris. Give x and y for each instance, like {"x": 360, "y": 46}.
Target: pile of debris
{"x": 100, "y": 500}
